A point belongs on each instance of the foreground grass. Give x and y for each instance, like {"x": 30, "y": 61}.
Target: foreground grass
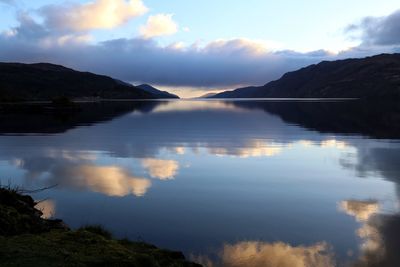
{"x": 28, "y": 240}
{"x": 82, "y": 248}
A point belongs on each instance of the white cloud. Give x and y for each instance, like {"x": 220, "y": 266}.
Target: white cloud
{"x": 159, "y": 25}
{"x": 240, "y": 46}
{"x": 98, "y": 14}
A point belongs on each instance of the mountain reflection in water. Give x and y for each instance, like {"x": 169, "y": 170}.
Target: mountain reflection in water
{"x": 238, "y": 183}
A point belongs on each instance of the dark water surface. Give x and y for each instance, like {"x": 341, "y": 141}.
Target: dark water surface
{"x": 238, "y": 183}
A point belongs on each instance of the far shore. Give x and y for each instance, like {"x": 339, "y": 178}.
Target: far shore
{"x": 95, "y": 100}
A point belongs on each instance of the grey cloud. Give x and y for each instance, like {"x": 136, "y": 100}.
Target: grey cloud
{"x": 138, "y": 60}
{"x": 378, "y": 30}
{"x": 28, "y": 29}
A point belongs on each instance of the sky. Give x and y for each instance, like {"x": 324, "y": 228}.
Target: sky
{"x": 194, "y": 47}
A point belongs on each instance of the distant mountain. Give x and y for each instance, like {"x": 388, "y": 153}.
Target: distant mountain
{"x": 208, "y": 95}
{"x": 377, "y": 76}
{"x": 156, "y": 92}
{"x": 43, "y": 81}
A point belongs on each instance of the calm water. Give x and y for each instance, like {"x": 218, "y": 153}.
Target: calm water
{"x": 239, "y": 183}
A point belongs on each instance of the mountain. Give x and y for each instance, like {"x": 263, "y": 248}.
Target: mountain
{"x": 377, "y": 76}
{"x": 156, "y": 92}
{"x": 44, "y": 81}
{"x": 208, "y": 95}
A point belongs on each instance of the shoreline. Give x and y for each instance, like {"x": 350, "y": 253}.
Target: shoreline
{"x": 28, "y": 239}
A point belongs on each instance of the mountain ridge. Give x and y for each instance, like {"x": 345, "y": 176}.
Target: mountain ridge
{"x": 46, "y": 81}
{"x": 206, "y": 95}
{"x": 375, "y": 76}
{"x": 159, "y": 93}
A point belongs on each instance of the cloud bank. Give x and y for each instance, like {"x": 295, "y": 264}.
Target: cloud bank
{"x": 221, "y": 63}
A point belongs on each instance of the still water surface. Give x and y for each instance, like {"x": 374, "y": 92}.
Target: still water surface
{"x": 238, "y": 183}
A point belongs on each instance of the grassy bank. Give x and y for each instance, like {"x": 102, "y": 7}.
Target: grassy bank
{"x": 26, "y": 239}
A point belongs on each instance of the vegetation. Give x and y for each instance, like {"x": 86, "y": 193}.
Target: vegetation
{"x": 62, "y": 101}
{"x": 43, "y": 81}
{"x": 26, "y": 239}
{"x": 371, "y": 77}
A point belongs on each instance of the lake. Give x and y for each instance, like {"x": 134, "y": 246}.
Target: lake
{"x": 229, "y": 183}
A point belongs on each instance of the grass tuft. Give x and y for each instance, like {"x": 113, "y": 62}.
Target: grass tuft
{"x": 97, "y": 229}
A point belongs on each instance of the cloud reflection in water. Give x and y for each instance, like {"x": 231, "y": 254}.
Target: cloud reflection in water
{"x": 160, "y": 168}
{"x": 278, "y": 254}
{"x": 372, "y": 246}
{"x": 47, "y": 207}
{"x": 109, "y": 180}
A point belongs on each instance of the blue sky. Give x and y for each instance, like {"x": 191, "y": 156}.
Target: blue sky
{"x": 212, "y": 34}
